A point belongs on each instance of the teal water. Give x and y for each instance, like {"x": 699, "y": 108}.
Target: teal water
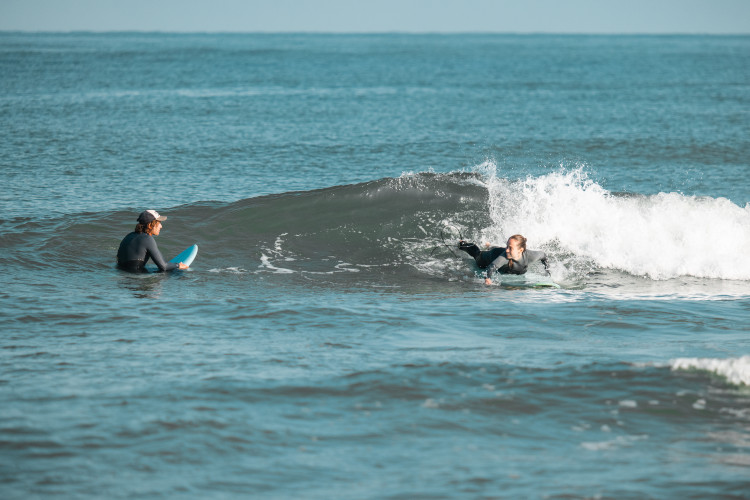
{"x": 325, "y": 343}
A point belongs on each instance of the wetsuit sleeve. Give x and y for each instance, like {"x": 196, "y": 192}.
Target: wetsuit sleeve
{"x": 153, "y": 251}
{"x": 537, "y": 255}
{"x": 496, "y": 264}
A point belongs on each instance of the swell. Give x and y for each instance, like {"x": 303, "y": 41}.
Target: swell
{"x": 370, "y": 223}
{"x": 398, "y": 224}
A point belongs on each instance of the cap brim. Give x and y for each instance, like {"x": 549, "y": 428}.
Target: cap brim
{"x": 161, "y": 218}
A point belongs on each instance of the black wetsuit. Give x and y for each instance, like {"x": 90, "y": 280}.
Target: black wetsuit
{"x": 135, "y": 250}
{"x": 495, "y": 260}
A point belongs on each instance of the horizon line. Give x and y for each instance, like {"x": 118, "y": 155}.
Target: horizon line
{"x": 394, "y": 32}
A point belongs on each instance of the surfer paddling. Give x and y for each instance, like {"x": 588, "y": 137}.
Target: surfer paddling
{"x": 137, "y": 247}
{"x": 511, "y": 259}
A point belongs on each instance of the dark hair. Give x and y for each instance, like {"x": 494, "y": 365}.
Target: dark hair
{"x": 146, "y": 228}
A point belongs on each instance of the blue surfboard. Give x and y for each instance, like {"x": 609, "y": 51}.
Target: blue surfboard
{"x": 187, "y": 256}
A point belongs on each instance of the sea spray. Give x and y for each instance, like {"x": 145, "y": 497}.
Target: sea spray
{"x": 735, "y": 370}
{"x": 659, "y": 236}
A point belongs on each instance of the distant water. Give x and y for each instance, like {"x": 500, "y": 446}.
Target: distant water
{"x": 326, "y": 343}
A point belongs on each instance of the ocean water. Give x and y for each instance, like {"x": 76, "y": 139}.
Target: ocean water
{"x": 330, "y": 341}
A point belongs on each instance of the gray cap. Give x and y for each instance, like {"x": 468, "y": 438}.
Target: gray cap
{"x": 150, "y": 215}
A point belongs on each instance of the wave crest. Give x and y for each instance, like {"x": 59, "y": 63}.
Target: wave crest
{"x": 735, "y": 370}
{"x": 660, "y": 236}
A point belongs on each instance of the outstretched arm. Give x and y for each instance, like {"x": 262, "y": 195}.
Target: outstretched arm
{"x": 496, "y": 264}
{"x": 155, "y": 254}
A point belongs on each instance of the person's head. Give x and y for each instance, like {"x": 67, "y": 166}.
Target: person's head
{"x": 149, "y": 222}
{"x": 516, "y": 247}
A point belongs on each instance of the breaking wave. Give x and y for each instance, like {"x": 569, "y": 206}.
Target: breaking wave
{"x": 397, "y": 225}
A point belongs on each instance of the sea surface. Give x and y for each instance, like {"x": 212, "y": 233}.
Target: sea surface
{"x": 330, "y": 341}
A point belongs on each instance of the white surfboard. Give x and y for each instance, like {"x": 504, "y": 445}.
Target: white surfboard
{"x": 187, "y": 256}
{"x": 527, "y": 281}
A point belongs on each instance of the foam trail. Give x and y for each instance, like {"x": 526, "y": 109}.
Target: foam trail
{"x": 660, "y": 236}
{"x": 735, "y": 370}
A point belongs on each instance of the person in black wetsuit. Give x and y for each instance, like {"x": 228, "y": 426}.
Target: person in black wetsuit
{"x": 511, "y": 259}
{"x": 137, "y": 247}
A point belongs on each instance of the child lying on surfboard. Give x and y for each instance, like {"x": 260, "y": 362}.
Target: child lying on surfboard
{"x": 511, "y": 259}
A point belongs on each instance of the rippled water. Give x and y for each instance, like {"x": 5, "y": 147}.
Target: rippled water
{"x": 325, "y": 343}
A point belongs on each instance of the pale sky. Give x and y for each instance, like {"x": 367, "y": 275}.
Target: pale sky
{"x": 355, "y": 16}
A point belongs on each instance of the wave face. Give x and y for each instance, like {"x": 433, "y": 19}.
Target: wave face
{"x": 392, "y": 223}
{"x": 395, "y": 226}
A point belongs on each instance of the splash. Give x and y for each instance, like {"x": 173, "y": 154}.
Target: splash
{"x": 660, "y": 236}
{"x": 735, "y": 370}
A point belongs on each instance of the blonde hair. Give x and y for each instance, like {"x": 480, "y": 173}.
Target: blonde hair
{"x": 520, "y": 240}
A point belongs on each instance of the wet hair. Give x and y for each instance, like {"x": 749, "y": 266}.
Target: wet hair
{"x": 146, "y": 228}
{"x": 520, "y": 240}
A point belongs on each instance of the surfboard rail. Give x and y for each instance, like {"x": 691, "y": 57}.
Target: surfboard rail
{"x": 187, "y": 256}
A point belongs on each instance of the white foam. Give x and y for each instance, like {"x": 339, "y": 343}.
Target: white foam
{"x": 618, "y": 442}
{"x": 277, "y": 245}
{"x": 232, "y": 270}
{"x": 735, "y": 370}
{"x": 660, "y": 236}
{"x": 430, "y": 403}
{"x": 345, "y": 266}
{"x": 265, "y": 262}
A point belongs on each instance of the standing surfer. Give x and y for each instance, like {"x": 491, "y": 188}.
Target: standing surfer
{"x": 511, "y": 259}
{"x": 137, "y": 247}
